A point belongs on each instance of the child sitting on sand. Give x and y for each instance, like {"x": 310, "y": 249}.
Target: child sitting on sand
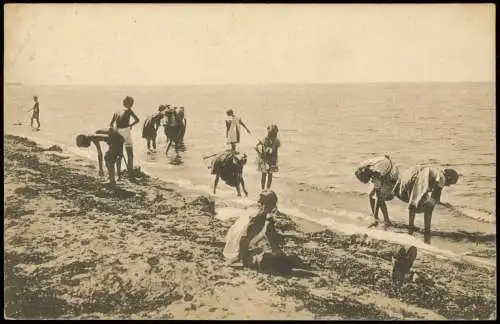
{"x": 253, "y": 240}
{"x": 115, "y": 149}
{"x": 267, "y": 157}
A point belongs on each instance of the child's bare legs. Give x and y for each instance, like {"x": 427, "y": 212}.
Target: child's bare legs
{"x": 130, "y": 160}
{"x": 411, "y": 220}
{"x": 119, "y": 166}
{"x": 110, "y": 165}
{"x": 269, "y": 180}
{"x": 243, "y": 186}
{"x": 383, "y": 208}
{"x": 216, "y": 182}
{"x": 154, "y": 142}
{"x": 37, "y": 122}
{"x": 374, "y": 205}
{"x": 263, "y": 181}
{"x": 168, "y": 146}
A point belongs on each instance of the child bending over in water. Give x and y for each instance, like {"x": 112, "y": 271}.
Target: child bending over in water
{"x": 267, "y": 158}
{"x": 112, "y": 156}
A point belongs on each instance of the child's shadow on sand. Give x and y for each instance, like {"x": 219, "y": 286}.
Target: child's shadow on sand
{"x": 458, "y": 236}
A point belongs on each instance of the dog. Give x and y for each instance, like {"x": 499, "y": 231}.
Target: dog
{"x": 402, "y": 261}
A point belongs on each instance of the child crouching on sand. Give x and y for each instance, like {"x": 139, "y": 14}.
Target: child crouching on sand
{"x": 112, "y": 156}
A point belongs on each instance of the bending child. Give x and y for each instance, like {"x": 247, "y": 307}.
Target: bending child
{"x": 112, "y": 156}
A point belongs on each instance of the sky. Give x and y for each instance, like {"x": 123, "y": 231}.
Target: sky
{"x": 167, "y": 44}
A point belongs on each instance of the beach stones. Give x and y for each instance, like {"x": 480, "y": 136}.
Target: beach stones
{"x": 153, "y": 261}
{"x": 205, "y": 204}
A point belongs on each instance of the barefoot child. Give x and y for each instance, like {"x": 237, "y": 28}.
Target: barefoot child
{"x": 150, "y": 127}
{"x": 267, "y": 158}
{"x": 36, "y": 113}
{"x": 121, "y": 121}
{"x": 112, "y": 156}
{"x": 233, "y": 129}
{"x": 181, "y": 116}
{"x": 254, "y": 241}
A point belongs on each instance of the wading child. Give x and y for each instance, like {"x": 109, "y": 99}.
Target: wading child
{"x": 267, "y": 157}
{"x": 121, "y": 121}
{"x": 36, "y": 113}
{"x": 150, "y": 128}
{"x": 233, "y": 129}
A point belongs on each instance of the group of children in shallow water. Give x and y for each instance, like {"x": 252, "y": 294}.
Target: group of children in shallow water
{"x": 118, "y": 135}
{"x": 228, "y": 165}
{"x": 252, "y": 240}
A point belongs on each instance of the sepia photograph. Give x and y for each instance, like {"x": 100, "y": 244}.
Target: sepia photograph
{"x": 249, "y": 161}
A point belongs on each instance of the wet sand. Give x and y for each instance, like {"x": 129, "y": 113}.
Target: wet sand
{"x": 74, "y": 248}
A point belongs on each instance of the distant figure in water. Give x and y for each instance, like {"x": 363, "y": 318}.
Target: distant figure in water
{"x": 172, "y": 129}
{"x": 233, "y": 129}
{"x": 254, "y": 241}
{"x": 181, "y": 117}
{"x": 121, "y": 121}
{"x": 420, "y": 187}
{"x": 36, "y": 113}
{"x": 267, "y": 157}
{"x": 150, "y": 127}
{"x": 112, "y": 156}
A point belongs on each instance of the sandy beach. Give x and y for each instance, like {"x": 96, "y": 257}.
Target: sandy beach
{"x": 75, "y": 248}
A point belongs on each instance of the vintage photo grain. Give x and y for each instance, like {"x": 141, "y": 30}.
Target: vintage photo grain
{"x": 264, "y": 161}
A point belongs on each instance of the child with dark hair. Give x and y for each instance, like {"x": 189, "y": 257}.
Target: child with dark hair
{"x": 267, "y": 158}
{"x": 112, "y": 156}
{"x": 121, "y": 121}
{"x": 150, "y": 127}
{"x": 36, "y": 113}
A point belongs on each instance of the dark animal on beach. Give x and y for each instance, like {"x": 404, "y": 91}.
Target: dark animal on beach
{"x": 420, "y": 187}
{"x": 229, "y": 166}
{"x": 402, "y": 261}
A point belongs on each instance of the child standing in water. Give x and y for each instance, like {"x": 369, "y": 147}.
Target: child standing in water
{"x": 233, "y": 129}
{"x": 36, "y": 113}
{"x": 121, "y": 122}
{"x": 267, "y": 157}
{"x": 150, "y": 128}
